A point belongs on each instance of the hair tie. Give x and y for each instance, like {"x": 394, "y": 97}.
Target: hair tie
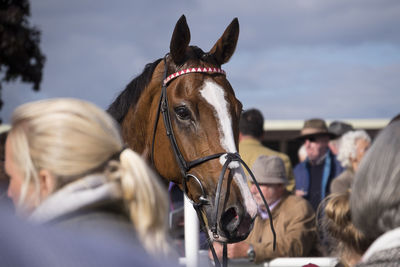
{"x": 116, "y": 155}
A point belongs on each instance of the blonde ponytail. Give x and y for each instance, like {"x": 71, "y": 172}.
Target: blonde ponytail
{"x": 147, "y": 202}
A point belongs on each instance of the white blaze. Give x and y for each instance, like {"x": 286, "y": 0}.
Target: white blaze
{"x": 215, "y": 96}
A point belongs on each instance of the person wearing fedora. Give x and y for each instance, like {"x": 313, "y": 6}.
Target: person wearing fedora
{"x": 293, "y": 218}
{"x": 251, "y": 129}
{"x": 315, "y": 174}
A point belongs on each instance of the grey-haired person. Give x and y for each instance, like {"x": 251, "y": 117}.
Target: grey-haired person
{"x": 338, "y": 128}
{"x": 353, "y": 146}
{"x": 375, "y": 198}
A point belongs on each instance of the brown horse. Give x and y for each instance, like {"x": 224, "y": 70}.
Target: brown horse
{"x": 201, "y": 115}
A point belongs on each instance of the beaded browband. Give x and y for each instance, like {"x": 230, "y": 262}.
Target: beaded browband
{"x": 191, "y": 70}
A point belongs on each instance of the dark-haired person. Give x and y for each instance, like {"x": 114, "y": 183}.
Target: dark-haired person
{"x": 251, "y": 129}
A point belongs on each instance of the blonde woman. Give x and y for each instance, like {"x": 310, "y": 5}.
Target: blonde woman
{"x": 68, "y": 168}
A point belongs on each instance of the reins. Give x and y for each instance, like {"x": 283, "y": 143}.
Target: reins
{"x": 185, "y": 166}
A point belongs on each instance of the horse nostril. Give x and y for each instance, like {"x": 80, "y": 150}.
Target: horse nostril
{"x": 235, "y": 227}
{"x": 230, "y": 220}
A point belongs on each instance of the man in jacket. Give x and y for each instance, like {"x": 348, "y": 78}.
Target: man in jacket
{"x": 315, "y": 174}
{"x": 292, "y": 216}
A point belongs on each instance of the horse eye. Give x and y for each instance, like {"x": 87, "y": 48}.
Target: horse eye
{"x": 182, "y": 112}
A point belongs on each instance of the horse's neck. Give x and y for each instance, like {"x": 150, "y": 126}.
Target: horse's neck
{"x": 138, "y": 129}
{"x": 132, "y": 132}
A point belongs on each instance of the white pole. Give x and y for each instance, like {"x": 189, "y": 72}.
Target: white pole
{"x": 191, "y": 235}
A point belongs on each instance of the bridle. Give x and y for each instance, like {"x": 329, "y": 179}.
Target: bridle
{"x": 185, "y": 166}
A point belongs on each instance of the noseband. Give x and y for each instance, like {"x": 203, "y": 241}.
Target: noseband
{"x": 186, "y": 166}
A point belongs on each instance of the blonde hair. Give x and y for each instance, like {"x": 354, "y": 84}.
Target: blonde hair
{"x": 347, "y": 241}
{"x": 72, "y": 138}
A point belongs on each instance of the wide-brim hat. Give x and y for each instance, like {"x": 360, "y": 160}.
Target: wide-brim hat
{"x": 269, "y": 170}
{"x": 315, "y": 127}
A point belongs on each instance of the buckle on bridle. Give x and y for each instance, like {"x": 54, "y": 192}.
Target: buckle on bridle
{"x": 203, "y": 197}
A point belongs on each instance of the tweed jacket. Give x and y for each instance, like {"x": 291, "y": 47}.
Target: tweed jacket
{"x": 296, "y": 234}
{"x": 343, "y": 182}
{"x": 250, "y": 149}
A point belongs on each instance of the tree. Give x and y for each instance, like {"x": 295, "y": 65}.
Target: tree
{"x": 20, "y": 55}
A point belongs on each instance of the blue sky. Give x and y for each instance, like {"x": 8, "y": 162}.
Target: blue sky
{"x": 295, "y": 59}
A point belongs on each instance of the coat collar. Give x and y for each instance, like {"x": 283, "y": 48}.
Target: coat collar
{"x": 388, "y": 240}
{"x": 84, "y": 192}
{"x": 249, "y": 141}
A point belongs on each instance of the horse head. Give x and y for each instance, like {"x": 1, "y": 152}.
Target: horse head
{"x": 203, "y": 114}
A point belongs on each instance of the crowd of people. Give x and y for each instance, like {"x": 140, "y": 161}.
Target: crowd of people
{"x": 70, "y": 175}
{"x": 345, "y": 193}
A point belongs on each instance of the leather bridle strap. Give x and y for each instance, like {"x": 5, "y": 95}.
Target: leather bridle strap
{"x": 163, "y": 108}
{"x": 197, "y": 208}
{"x": 236, "y": 157}
{"x": 225, "y": 255}
{"x": 185, "y": 166}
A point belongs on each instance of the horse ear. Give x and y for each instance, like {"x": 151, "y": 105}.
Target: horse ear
{"x": 180, "y": 40}
{"x": 226, "y": 45}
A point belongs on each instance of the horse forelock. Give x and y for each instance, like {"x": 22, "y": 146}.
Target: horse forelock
{"x": 205, "y": 57}
{"x": 130, "y": 95}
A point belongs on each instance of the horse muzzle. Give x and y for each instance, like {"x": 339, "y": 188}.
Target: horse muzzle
{"x": 235, "y": 226}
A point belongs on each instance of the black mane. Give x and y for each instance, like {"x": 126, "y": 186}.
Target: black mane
{"x": 132, "y": 92}
{"x": 130, "y": 95}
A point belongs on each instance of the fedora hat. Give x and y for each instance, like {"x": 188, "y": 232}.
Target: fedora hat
{"x": 315, "y": 127}
{"x": 269, "y": 170}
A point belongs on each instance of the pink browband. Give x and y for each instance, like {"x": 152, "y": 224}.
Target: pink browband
{"x": 190, "y": 70}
